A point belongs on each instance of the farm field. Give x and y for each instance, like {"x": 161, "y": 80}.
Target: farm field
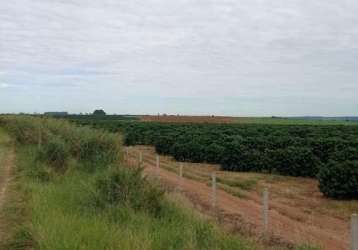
{"x": 209, "y": 119}
{"x": 328, "y": 153}
{"x": 73, "y": 191}
{"x": 241, "y": 120}
{"x": 178, "y": 125}
{"x": 54, "y": 154}
{"x": 299, "y": 212}
{"x": 310, "y": 171}
{"x": 187, "y": 119}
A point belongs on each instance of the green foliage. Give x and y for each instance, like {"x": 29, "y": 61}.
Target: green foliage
{"x": 55, "y": 153}
{"x": 60, "y": 140}
{"x": 25, "y": 130}
{"x": 99, "y": 112}
{"x": 294, "y": 161}
{"x": 126, "y": 187}
{"x": 246, "y": 185}
{"x": 295, "y": 150}
{"x": 110, "y": 209}
{"x": 339, "y": 180}
{"x": 284, "y": 149}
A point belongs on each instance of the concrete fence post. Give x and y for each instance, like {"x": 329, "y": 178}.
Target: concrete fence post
{"x": 181, "y": 170}
{"x": 354, "y": 232}
{"x": 181, "y": 176}
{"x": 140, "y": 159}
{"x": 265, "y": 210}
{"x": 213, "y": 190}
{"x": 157, "y": 165}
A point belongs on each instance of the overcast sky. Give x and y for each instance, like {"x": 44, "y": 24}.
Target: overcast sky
{"x": 228, "y": 57}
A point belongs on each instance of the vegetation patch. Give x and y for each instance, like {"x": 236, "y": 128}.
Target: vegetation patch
{"x": 339, "y": 180}
{"x": 290, "y": 150}
{"x": 77, "y": 200}
{"x": 246, "y": 185}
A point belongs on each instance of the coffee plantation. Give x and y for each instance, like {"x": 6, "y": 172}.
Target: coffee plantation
{"x": 293, "y": 150}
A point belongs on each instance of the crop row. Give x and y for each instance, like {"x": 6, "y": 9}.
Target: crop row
{"x": 329, "y": 153}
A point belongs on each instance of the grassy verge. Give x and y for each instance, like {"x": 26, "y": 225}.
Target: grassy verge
{"x": 78, "y": 196}
{"x": 13, "y": 212}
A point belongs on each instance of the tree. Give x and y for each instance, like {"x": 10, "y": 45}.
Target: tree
{"x": 99, "y": 112}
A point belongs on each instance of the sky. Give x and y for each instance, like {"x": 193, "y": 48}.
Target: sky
{"x": 194, "y": 57}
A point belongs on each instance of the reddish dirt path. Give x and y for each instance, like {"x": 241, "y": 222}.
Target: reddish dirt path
{"x": 7, "y": 157}
{"x": 322, "y": 230}
{"x": 6, "y": 162}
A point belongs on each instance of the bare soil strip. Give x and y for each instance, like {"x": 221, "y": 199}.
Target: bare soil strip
{"x": 7, "y": 157}
{"x": 188, "y": 119}
{"x": 287, "y": 222}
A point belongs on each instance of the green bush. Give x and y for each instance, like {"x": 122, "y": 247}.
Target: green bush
{"x": 126, "y": 187}
{"x": 284, "y": 149}
{"x": 27, "y": 130}
{"x": 60, "y": 140}
{"x": 339, "y": 180}
{"x": 55, "y": 153}
{"x": 294, "y": 161}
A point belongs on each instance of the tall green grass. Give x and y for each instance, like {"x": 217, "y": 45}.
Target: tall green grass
{"x": 60, "y": 140}
{"x": 80, "y": 197}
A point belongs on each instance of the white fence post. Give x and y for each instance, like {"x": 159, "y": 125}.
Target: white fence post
{"x": 213, "y": 191}
{"x": 181, "y": 170}
{"x": 157, "y": 165}
{"x": 140, "y": 160}
{"x": 180, "y": 176}
{"x": 265, "y": 210}
{"x": 354, "y": 232}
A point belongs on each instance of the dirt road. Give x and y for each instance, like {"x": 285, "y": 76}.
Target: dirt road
{"x": 246, "y": 213}
{"x": 6, "y": 162}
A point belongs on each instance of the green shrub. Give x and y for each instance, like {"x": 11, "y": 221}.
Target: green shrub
{"x": 286, "y": 149}
{"x": 339, "y": 180}
{"x": 126, "y": 187}
{"x": 60, "y": 140}
{"x": 163, "y": 144}
{"x": 25, "y": 129}
{"x": 294, "y": 161}
{"x": 96, "y": 147}
{"x": 55, "y": 153}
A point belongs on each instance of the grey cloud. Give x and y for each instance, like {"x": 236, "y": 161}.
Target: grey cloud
{"x": 208, "y": 50}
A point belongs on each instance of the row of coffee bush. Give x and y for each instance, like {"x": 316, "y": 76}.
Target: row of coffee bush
{"x": 329, "y": 153}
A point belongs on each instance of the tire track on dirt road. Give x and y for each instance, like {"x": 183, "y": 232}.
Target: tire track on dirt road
{"x": 6, "y": 163}
{"x": 7, "y": 158}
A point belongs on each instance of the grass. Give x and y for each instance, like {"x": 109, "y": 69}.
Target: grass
{"x": 65, "y": 217}
{"x": 246, "y": 185}
{"x": 232, "y": 191}
{"x": 13, "y": 213}
{"x": 71, "y": 200}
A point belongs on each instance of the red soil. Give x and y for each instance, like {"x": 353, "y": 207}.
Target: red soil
{"x": 288, "y": 222}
